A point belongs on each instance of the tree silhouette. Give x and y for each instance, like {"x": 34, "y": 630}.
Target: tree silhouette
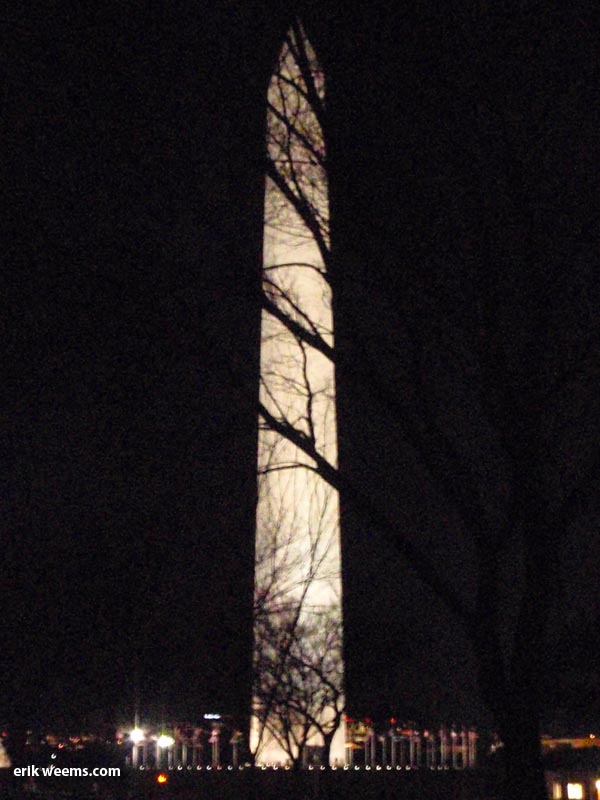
{"x": 488, "y": 379}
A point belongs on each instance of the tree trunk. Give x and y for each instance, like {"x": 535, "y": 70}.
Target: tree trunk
{"x": 327, "y": 740}
{"x": 515, "y": 703}
{"x": 524, "y": 773}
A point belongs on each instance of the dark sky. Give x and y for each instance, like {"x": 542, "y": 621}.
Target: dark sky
{"x": 127, "y": 451}
{"x": 127, "y": 480}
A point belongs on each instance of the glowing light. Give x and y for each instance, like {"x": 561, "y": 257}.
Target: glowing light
{"x": 165, "y": 741}
{"x": 575, "y": 791}
{"x": 162, "y": 778}
{"x": 597, "y": 784}
{"x": 137, "y": 735}
{"x": 212, "y": 716}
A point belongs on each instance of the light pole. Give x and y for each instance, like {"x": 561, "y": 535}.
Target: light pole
{"x": 383, "y": 742}
{"x": 443, "y": 748}
{"x": 453, "y": 736}
{"x": 235, "y": 743}
{"x": 137, "y": 736}
{"x": 162, "y": 742}
{"x": 472, "y": 747}
{"x": 214, "y": 741}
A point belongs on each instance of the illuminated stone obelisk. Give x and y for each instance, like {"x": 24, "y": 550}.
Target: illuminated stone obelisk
{"x": 298, "y": 620}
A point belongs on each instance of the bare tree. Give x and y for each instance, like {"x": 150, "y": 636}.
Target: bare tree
{"x": 299, "y": 699}
{"x": 298, "y": 664}
{"x": 505, "y": 453}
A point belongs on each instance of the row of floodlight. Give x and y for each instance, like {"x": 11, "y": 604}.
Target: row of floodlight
{"x": 287, "y": 767}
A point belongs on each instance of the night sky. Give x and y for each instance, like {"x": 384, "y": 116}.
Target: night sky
{"x": 127, "y": 454}
{"x": 125, "y": 534}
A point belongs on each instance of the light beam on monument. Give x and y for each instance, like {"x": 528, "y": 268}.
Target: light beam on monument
{"x": 298, "y": 616}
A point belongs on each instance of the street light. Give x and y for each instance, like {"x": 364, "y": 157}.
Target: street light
{"x": 163, "y": 742}
{"x": 137, "y": 735}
